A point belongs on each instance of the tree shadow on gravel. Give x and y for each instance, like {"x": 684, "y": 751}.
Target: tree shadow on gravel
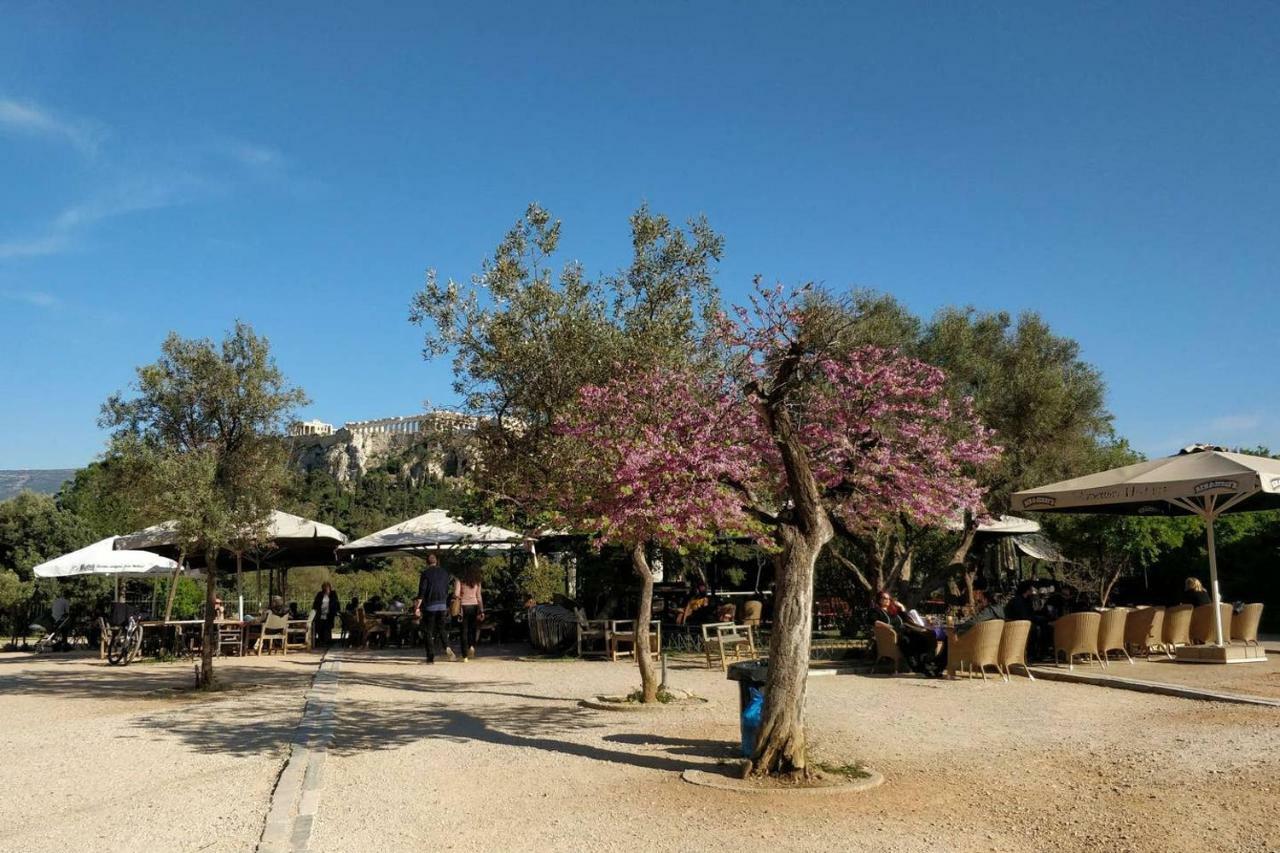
{"x": 693, "y": 747}
{"x": 428, "y": 684}
{"x": 362, "y": 726}
{"x": 150, "y": 681}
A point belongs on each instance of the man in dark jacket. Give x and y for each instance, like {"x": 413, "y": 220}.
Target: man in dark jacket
{"x": 433, "y": 603}
{"x": 326, "y": 606}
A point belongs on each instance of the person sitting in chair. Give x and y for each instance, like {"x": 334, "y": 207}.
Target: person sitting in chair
{"x": 920, "y": 647}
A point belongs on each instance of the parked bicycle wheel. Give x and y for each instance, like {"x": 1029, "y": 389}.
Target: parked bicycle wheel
{"x": 118, "y": 649}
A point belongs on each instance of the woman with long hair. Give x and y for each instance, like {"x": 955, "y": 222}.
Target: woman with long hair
{"x": 470, "y": 595}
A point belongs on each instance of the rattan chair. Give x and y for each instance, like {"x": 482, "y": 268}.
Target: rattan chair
{"x": 1111, "y": 633}
{"x": 1076, "y": 634}
{"x": 1013, "y": 647}
{"x": 1142, "y": 629}
{"x": 1244, "y": 625}
{"x": 887, "y": 645}
{"x": 752, "y": 611}
{"x": 1201, "y": 630}
{"x": 977, "y": 647}
{"x": 1177, "y": 628}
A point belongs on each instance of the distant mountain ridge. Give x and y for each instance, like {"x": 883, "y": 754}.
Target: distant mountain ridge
{"x": 46, "y": 481}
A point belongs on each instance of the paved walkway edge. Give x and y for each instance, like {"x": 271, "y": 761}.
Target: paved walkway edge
{"x": 296, "y": 797}
{"x": 1178, "y": 690}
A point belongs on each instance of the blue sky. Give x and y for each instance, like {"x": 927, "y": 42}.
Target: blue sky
{"x": 298, "y": 165}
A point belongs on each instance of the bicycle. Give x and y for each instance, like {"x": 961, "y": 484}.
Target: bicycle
{"x": 126, "y": 642}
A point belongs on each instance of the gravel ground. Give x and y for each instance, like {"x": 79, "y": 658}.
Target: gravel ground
{"x": 107, "y": 758}
{"x": 496, "y": 754}
{"x": 1254, "y": 679}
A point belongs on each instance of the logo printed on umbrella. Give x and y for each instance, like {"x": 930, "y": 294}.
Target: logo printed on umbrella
{"x": 1213, "y": 485}
{"x": 1275, "y": 483}
{"x": 1038, "y": 500}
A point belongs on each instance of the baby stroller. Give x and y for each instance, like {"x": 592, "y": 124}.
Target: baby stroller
{"x": 56, "y": 639}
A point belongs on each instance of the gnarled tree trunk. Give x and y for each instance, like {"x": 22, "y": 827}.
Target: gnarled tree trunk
{"x": 210, "y": 627}
{"x": 644, "y": 613}
{"x": 780, "y": 745}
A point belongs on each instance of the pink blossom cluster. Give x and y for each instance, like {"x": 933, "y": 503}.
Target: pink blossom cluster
{"x": 654, "y": 449}
{"x": 672, "y": 456}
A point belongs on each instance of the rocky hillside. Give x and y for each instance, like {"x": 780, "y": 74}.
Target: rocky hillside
{"x": 46, "y": 482}
{"x": 348, "y": 456}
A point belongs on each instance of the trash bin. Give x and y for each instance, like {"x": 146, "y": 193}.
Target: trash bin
{"x": 751, "y": 677}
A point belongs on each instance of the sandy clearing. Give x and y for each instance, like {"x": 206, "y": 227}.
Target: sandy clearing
{"x": 128, "y": 759}
{"x": 496, "y": 753}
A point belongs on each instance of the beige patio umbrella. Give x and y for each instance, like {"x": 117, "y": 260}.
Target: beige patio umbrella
{"x": 290, "y": 541}
{"x": 432, "y": 531}
{"x": 1202, "y": 480}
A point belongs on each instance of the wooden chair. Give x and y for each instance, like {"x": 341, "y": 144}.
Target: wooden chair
{"x": 1074, "y": 635}
{"x": 1177, "y": 628}
{"x": 1142, "y": 630}
{"x": 1013, "y": 647}
{"x": 230, "y": 636}
{"x": 623, "y": 632}
{"x": 1201, "y": 629}
{"x": 371, "y": 628}
{"x": 593, "y": 636}
{"x": 1111, "y": 633}
{"x": 298, "y": 635}
{"x": 752, "y": 613}
{"x": 1244, "y": 625}
{"x": 723, "y": 637}
{"x": 979, "y": 646}
{"x": 887, "y": 645}
{"x": 273, "y": 632}
{"x": 104, "y": 638}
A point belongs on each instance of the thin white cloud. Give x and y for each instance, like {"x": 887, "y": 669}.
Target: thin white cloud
{"x": 254, "y": 156}
{"x": 37, "y": 298}
{"x": 29, "y": 118}
{"x": 1235, "y": 423}
{"x": 49, "y": 244}
{"x": 129, "y": 197}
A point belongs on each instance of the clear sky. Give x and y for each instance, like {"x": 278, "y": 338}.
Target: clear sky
{"x": 164, "y": 165}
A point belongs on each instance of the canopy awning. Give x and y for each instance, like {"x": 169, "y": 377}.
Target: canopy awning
{"x": 1203, "y": 480}
{"x": 1174, "y": 485}
{"x": 103, "y": 558}
{"x": 292, "y": 541}
{"x": 1037, "y": 546}
{"x": 434, "y": 530}
{"x": 1005, "y": 525}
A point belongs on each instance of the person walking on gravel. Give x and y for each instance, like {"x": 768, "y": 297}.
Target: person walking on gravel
{"x": 432, "y": 604}
{"x": 471, "y": 598}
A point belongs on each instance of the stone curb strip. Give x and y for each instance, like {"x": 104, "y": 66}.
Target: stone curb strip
{"x": 296, "y": 797}
{"x": 1178, "y": 690}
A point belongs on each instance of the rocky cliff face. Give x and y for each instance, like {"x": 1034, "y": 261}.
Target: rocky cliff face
{"x": 348, "y": 455}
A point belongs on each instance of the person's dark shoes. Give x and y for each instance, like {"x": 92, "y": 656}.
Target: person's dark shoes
{"x": 431, "y": 660}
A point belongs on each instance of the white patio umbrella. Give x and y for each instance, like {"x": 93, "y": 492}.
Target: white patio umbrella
{"x": 102, "y": 558}
{"x": 431, "y": 531}
{"x": 1202, "y": 480}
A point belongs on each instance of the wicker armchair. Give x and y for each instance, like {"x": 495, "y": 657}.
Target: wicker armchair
{"x": 1201, "y": 630}
{"x": 1111, "y": 633}
{"x": 1142, "y": 630}
{"x": 1244, "y": 625}
{"x": 1074, "y": 635}
{"x": 977, "y": 647}
{"x": 887, "y": 645}
{"x": 1013, "y": 647}
{"x": 1177, "y": 628}
{"x": 752, "y": 611}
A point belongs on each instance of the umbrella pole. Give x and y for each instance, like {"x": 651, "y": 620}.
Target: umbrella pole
{"x": 1213, "y": 579}
{"x": 173, "y": 587}
{"x": 239, "y": 587}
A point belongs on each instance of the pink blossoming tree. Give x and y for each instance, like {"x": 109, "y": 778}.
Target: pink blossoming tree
{"x": 650, "y": 452}
{"x": 799, "y": 436}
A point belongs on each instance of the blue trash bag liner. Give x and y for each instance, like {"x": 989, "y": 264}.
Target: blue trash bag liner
{"x": 751, "y": 717}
